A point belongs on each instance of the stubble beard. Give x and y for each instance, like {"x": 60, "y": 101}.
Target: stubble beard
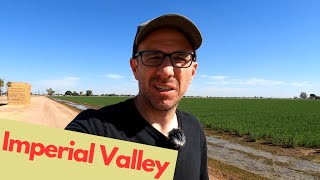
{"x": 162, "y": 106}
{"x": 156, "y": 103}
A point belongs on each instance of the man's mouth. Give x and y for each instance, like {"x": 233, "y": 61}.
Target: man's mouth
{"x": 163, "y": 88}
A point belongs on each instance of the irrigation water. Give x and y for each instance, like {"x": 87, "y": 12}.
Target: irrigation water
{"x": 78, "y": 106}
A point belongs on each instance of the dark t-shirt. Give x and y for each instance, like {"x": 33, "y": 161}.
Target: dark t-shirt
{"x": 123, "y": 121}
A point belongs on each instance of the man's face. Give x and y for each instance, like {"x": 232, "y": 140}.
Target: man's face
{"x": 163, "y": 86}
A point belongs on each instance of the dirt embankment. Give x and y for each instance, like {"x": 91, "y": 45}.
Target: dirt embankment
{"x": 262, "y": 163}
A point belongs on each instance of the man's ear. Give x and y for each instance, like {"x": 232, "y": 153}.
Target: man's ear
{"x": 194, "y": 68}
{"x": 134, "y": 67}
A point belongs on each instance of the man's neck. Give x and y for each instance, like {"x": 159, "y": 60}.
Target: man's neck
{"x": 163, "y": 121}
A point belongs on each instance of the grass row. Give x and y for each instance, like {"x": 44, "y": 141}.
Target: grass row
{"x": 282, "y": 122}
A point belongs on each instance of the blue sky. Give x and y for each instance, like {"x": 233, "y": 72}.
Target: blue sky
{"x": 267, "y": 48}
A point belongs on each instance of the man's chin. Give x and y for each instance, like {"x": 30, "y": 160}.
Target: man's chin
{"x": 164, "y": 105}
{"x": 161, "y": 103}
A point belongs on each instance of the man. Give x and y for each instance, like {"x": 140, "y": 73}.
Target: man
{"x": 164, "y": 63}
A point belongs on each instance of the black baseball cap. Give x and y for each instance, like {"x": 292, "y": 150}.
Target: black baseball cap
{"x": 177, "y": 21}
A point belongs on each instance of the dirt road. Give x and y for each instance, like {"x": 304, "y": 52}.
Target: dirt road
{"x": 41, "y": 111}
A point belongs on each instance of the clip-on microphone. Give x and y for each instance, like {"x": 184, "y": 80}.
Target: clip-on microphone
{"x": 176, "y": 139}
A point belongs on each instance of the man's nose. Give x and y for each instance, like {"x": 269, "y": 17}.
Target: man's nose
{"x": 166, "y": 69}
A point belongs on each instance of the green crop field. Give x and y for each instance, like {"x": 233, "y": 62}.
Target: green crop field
{"x": 282, "y": 122}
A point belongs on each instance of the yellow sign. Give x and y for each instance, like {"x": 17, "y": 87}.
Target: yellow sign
{"x": 35, "y": 152}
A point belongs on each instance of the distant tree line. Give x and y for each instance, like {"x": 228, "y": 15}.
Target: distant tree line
{"x": 313, "y": 96}
{"x": 113, "y": 94}
{"x": 87, "y": 93}
{"x": 51, "y": 92}
{"x": 304, "y": 95}
{"x": 75, "y": 93}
